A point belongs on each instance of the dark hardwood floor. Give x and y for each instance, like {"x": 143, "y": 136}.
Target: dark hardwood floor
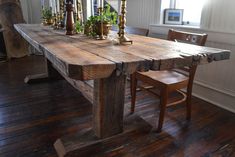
{"x": 32, "y": 117}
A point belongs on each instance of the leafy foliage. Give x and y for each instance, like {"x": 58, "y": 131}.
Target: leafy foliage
{"x": 46, "y": 13}
{"x": 79, "y": 27}
{"x": 107, "y": 17}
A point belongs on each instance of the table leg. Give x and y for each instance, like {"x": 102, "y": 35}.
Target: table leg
{"x": 50, "y": 75}
{"x": 108, "y": 106}
{"x": 109, "y": 126}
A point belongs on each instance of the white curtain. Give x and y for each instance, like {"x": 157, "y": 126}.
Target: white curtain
{"x": 219, "y": 15}
{"x": 31, "y": 10}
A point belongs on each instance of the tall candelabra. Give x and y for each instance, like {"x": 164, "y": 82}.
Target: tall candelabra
{"x": 122, "y": 24}
{"x": 101, "y": 36}
{"x": 61, "y": 14}
{"x": 70, "y": 18}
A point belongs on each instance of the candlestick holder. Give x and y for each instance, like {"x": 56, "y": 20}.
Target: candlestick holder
{"x": 101, "y": 36}
{"x": 70, "y": 18}
{"x": 122, "y": 25}
{"x": 55, "y": 24}
{"x": 61, "y": 14}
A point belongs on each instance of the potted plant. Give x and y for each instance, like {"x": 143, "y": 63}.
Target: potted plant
{"x": 47, "y": 16}
{"x": 93, "y": 24}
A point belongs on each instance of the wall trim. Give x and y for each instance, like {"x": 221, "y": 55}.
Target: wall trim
{"x": 229, "y": 93}
{"x": 214, "y": 102}
{"x": 227, "y": 38}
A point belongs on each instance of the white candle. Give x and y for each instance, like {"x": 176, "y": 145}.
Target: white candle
{"x": 102, "y": 3}
{"x": 58, "y": 6}
{"x": 50, "y": 3}
{"x": 75, "y": 6}
{"x": 52, "y": 6}
{"x": 42, "y": 4}
{"x": 98, "y": 3}
{"x": 119, "y": 7}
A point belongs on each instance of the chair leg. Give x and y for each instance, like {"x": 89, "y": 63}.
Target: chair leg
{"x": 133, "y": 91}
{"x": 188, "y": 105}
{"x": 193, "y": 69}
{"x": 163, "y": 103}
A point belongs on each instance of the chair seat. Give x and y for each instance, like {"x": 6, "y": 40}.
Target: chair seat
{"x": 166, "y": 77}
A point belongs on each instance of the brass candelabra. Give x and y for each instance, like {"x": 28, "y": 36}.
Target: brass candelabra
{"x": 122, "y": 25}
{"x": 101, "y": 36}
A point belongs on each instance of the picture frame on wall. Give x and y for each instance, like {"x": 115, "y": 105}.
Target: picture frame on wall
{"x": 173, "y": 16}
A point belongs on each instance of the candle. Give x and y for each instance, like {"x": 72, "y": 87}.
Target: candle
{"x": 102, "y": 3}
{"x": 98, "y": 3}
{"x": 58, "y": 6}
{"x": 50, "y": 3}
{"x": 55, "y": 6}
{"x": 119, "y": 7}
{"x": 42, "y": 3}
{"x": 75, "y": 6}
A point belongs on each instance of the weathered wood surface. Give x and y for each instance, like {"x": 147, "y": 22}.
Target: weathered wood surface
{"x": 108, "y": 105}
{"x": 51, "y": 75}
{"x": 86, "y": 142}
{"x": 83, "y": 58}
{"x": 10, "y": 14}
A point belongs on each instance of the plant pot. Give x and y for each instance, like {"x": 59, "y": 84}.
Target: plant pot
{"x": 106, "y": 28}
{"x": 47, "y": 22}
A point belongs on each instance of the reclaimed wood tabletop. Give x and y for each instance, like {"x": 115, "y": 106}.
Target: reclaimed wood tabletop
{"x": 84, "y": 58}
{"x": 79, "y": 58}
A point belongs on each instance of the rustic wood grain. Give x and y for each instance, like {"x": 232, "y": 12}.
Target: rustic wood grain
{"x": 85, "y": 142}
{"x": 10, "y": 14}
{"x": 82, "y": 58}
{"x": 146, "y": 53}
{"x": 108, "y": 105}
{"x": 71, "y": 61}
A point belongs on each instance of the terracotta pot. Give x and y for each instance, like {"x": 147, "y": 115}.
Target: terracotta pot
{"x": 106, "y": 28}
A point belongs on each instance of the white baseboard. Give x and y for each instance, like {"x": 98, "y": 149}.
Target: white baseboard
{"x": 218, "y": 97}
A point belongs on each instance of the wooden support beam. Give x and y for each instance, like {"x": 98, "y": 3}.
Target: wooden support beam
{"x": 108, "y": 105}
{"x": 85, "y": 142}
{"x": 51, "y": 75}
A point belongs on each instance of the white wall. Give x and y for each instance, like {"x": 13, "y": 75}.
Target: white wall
{"x": 141, "y": 13}
{"x": 31, "y": 10}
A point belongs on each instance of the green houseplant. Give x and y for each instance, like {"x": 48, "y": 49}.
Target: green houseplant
{"x": 47, "y": 16}
{"x": 93, "y": 24}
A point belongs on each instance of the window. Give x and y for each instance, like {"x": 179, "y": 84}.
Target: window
{"x": 192, "y": 9}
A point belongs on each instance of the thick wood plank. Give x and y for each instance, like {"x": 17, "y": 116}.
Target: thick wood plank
{"x": 10, "y": 14}
{"x": 73, "y": 62}
{"x": 85, "y": 142}
{"x": 108, "y": 105}
{"x": 146, "y": 53}
{"x": 51, "y": 75}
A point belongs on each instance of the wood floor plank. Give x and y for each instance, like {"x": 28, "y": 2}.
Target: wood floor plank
{"x": 32, "y": 117}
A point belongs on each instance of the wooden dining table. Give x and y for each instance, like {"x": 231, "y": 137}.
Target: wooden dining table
{"x": 98, "y": 68}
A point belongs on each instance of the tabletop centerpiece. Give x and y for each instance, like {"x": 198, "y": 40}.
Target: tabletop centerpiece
{"x": 47, "y": 16}
{"x": 99, "y": 25}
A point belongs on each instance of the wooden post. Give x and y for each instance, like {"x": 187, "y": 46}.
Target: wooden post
{"x": 108, "y": 105}
{"x": 51, "y": 75}
{"x": 10, "y": 14}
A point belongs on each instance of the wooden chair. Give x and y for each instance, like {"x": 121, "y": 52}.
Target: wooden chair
{"x": 133, "y": 30}
{"x": 169, "y": 81}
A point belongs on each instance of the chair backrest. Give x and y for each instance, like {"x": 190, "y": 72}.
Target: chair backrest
{"x": 190, "y": 38}
{"x": 137, "y": 31}
{"x": 187, "y": 37}
{"x": 133, "y": 30}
